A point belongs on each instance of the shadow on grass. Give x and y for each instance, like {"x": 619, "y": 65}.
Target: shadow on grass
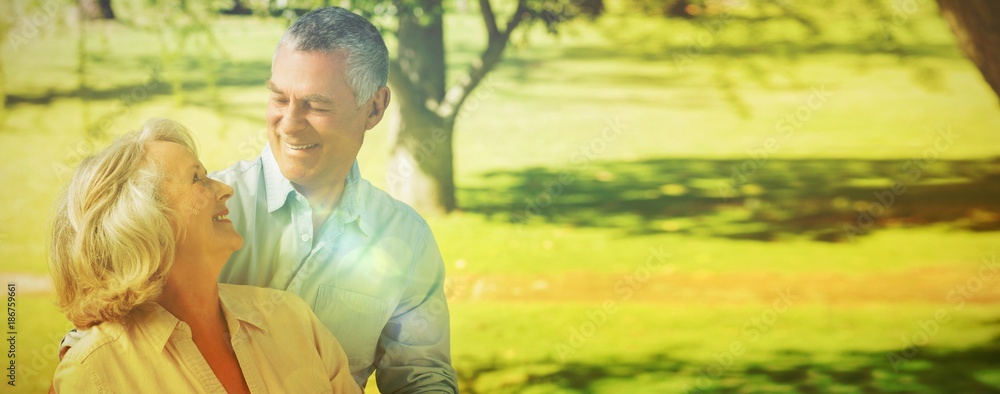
{"x": 830, "y": 200}
{"x": 231, "y": 74}
{"x": 777, "y": 49}
{"x": 929, "y": 371}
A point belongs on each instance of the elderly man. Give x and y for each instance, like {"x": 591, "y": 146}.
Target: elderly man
{"x": 366, "y": 263}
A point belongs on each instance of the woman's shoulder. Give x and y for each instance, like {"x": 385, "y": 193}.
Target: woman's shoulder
{"x": 264, "y": 300}
{"x": 100, "y": 341}
{"x": 255, "y": 294}
{"x": 79, "y": 370}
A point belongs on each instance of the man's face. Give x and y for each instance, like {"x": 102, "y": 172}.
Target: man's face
{"x": 314, "y": 125}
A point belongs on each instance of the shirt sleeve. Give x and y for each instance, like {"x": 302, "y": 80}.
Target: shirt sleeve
{"x": 333, "y": 356}
{"x": 73, "y": 377}
{"x": 415, "y": 345}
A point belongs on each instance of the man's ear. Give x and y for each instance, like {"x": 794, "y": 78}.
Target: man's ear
{"x": 376, "y": 107}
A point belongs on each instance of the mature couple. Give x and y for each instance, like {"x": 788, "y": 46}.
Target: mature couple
{"x": 328, "y": 279}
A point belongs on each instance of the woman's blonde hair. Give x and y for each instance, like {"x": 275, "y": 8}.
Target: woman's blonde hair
{"x": 112, "y": 239}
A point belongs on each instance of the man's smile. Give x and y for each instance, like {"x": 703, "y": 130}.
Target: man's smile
{"x": 300, "y": 147}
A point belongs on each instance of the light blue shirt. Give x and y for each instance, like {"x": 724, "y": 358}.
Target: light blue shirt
{"x": 373, "y": 274}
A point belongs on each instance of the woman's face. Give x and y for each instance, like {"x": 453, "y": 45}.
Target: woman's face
{"x": 207, "y": 237}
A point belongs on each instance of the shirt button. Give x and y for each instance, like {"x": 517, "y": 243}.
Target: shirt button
{"x": 305, "y": 237}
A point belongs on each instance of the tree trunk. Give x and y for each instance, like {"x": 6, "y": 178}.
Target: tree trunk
{"x": 97, "y": 9}
{"x": 976, "y": 24}
{"x": 3, "y": 97}
{"x": 238, "y": 9}
{"x": 421, "y": 166}
{"x": 679, "y": 9}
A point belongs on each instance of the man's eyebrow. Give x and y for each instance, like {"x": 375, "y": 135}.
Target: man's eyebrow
{"x": 317, "y": 98}
{"x": 272, "y": 87}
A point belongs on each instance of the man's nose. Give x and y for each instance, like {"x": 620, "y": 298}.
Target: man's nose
{"x": 294, "y": 119}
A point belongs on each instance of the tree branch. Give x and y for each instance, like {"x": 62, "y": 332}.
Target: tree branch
{"x": 498, "y": 40}
{"x": 791, "y": 13}
{"x": 489, "y": 18}
{"x": 517, "y": 17}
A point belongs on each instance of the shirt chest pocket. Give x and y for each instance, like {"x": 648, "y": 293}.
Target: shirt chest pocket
{"x": 355, "y": 319}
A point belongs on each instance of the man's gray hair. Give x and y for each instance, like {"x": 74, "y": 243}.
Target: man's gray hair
{"x": 333, "y": 29}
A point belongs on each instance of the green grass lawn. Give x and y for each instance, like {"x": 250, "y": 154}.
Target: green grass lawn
{"x": 539, "y": 118}
{"x": 649, "y": 348}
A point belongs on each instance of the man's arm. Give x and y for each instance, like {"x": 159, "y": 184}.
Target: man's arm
{"x": 415, "y": 345}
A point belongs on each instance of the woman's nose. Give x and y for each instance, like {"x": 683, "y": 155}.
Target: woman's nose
{"x": 222, "y": 191}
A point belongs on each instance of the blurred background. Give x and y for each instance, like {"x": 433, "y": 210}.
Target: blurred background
{"x": 629, "y": 195}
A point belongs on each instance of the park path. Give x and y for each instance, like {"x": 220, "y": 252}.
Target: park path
{"x": 921, "y": 285}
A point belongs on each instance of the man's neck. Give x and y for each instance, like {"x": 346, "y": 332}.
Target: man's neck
{"x": 323, "y": 201}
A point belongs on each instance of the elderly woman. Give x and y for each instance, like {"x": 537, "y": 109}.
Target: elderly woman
{"x": 138, "y": 241}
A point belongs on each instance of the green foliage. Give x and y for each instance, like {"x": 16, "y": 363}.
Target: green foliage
{"x": 553, "y": 13}
{"x": 184, "y": 31}
{"x": 779, "y": 29}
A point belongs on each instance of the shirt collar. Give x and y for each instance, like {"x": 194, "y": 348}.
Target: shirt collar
{"x": 240, "y": 309}
{"x": 349, "y": 208}
{"x": 277, "y": 188}
{"x": 158, "y": 324}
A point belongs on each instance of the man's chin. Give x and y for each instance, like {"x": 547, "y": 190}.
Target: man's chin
{"x": 298, "y": 178}
{"x": 294, "y": 169}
